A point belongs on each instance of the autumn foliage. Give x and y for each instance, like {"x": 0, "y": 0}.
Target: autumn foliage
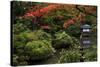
{"x": 43, "y": 11}
{"x": 69, "y": 22}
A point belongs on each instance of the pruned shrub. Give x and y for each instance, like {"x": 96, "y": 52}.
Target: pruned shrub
{"x": 39, "y": 49}
{"x": 63, "y": 40}
{"x": 39, "y": 35}
{"x": 34, "y": 45}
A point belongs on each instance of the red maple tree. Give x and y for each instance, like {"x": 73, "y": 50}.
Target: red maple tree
{"x": 42, "y": 11}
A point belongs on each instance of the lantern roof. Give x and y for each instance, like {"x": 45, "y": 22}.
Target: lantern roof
{"x": 86, "y": 26}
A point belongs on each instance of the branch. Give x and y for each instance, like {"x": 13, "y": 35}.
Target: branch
{"x": 84, "y": 11}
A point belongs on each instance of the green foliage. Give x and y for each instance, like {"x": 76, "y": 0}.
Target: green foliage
{"x": 20, "y": 60}
{"x": 24, "y": 37}
{"x": 75, "y": 55}
{"x": 62, "y": 39}
{"x": 76, "y": 43}
{"x": 69, "y": 56}
{"x": 39, "y": 35}
{"x": 22, "y": 25}
{"x": 39, "y": 49}
{"x": 18, "y": 28}
{"x": 15, "y": 61}
{"x": 18, "y": 44}
{"x": 90, "y": 19}
{"x": 74, "y": 30}
{"x": 90, "y": 54}
{"x": 34, "y": 45}
{"x": 19, "y": 8}
{"x": 56, "y": 19}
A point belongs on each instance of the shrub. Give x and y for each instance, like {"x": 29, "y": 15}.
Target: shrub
{"x": 39, "y": 49}
{"x": 25, "y": 42}
{"x": 20, "y": 60}
{"x": 22, "y": 25}
{"x": 19, "y": 44}
{"x": 19, "y": 28}
{"x": 63, "y": 40}
{"x": 20, "y": 40}
{"x": 90, "y": 54}
{"x": 69, "y": 56}
{"x": 74, "y": 30}
{"x": 15, "y": 61}
{"x": 25, "y": 37}
{"x": 38, "y": 35}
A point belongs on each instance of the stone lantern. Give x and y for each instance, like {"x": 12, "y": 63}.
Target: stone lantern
{"x": 85, "y": 36}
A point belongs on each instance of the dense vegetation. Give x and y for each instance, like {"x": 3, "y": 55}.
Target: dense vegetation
{"x": 47, "y": 33}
